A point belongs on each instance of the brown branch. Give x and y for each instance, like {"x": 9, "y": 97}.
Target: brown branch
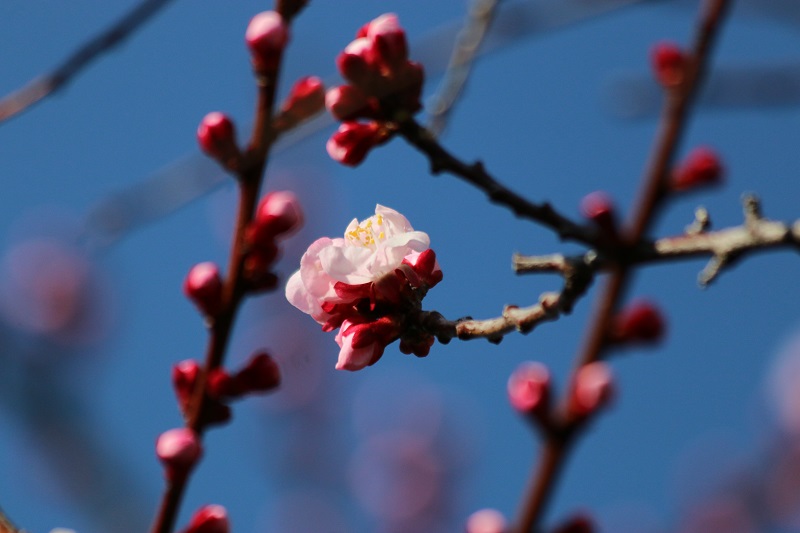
{"x": 578, "y": 275}
{"x": 249, "y": 172}
{"x": 47, "y": 84}
{"x": 442, "y": 161}
{"x": 674, "y": 121}
{"x": 6, "y": 526}
{"x": 468, "y": 44}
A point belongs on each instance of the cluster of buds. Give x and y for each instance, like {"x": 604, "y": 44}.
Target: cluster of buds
{"x": 529, "y": 392}
{"x": 383, "y": 87}
{"x": 209, "y": 519}
{"x": 278, "y": 215}
{"x": 376, "y": 316}
{"x": 259, "y": 375}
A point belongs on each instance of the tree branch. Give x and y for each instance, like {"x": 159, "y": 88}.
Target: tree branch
{"x": 47, "y": 84}
{"x": 442, "y": 161}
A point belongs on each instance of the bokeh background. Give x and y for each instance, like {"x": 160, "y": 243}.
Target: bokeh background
{"x": 106, "y": 204}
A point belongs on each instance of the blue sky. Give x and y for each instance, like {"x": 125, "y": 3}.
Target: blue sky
{"x": 540, "y": 113}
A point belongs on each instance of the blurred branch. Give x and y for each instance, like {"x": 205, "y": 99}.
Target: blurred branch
{"x": 47, "y": 84}
{"x": 6, "y": 526}
{"x": 674, "y": 121}
{"x": 636, "y": 96}
{"x": 468, "y": 43}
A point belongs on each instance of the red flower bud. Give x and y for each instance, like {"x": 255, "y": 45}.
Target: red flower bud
{"x": 278, "y": 213}
{"x": 593, "y": 388}
{"x": 640, "y": 321}
{"x": 486, "y": 521}
{"x": 203, "y": 286}
{"x": 354, "y": 62}
{"x": 216, "y": 135}
{"x": 306, "y": 98}
{"x": 347, "y": 103}
{"x": 424, "y": 269}
{"x": 261, "y": 374}
{"x": 388, "y": 42}
{"x": 266, "y": 36}
{"x": 221, "y": 385}
{"x": 209, "y": 519}
{"x": 179, "y": 450}
{"x": 669, "y": 64}
{"x": 353, "y": 140}
{"x": 576, "y": 524}
{"x": 184, "y": 376}
{"x": 599, "y": 208}
{"x": 701, "y": 167}
{"x": 529, "y": 388}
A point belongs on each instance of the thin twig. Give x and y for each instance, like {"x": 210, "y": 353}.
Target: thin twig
{"x": 250, "y": 176}
{"x": 674, "y": 121}
{"x": 443, "y": 161}
{"x": 47, "y": 84}
{"x": 724, "y": 247}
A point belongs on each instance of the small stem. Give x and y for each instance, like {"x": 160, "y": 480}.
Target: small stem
{"x": 250, "y": 177}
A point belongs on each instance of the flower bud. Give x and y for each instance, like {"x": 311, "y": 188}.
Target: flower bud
{"x": 669, "y": 64}
{"x": 209, "y": 519}
{"x": 353, "y": 63}
{"x": 529, "y": 388}
{"x": 577, "y": 524}
{"x": 221, "y": 385}
{"x": 701, "y": 167}
{"x": 388, "y": 40}
{"x": 261, "y": 374}
{"x": 486, "y": 521}
{"x": 306, "y": 98}
{"x": 425, "y": 269}
{"x": 256, "y": 269}
{"x": 593, "y": 388}
{"x": 362, "y": 344}
{"x": 203, "y": 286}
{"x": 266, "y": 36}
{"x": 640, "y": 321}
{"x": 216, "y": 135}
{"x": 353, "y": 140}
{"x": 179, "y": 450}
{"x": 278, "y": 213}
{"x": 184, "y": 376}
{"x": 347, "y": 103}
{"x": 599, "y": 208}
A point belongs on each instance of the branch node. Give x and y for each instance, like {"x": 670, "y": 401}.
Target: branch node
{"x": 701, "y": 223}
{"x": 752, "y": 209}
